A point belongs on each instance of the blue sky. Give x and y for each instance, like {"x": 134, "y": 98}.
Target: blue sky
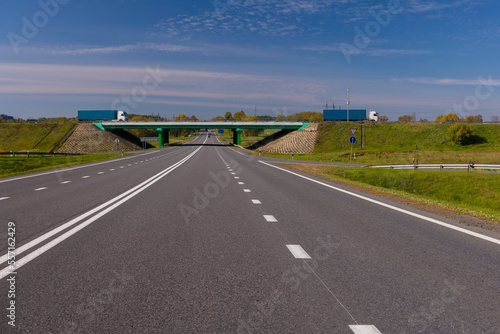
{"x": 204, "y": 58}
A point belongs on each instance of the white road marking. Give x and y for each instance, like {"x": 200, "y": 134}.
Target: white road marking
{"x": 100, "y": 173}
{"x": 364, "y": 329}
{"x": 270, "y": 219}
{"x": 298, "y": 252}
{"x": 85, "y": 177}
{"x": 129, "y": 165}
{"x": 247, "y": 190}
{"x": 122, "y": 166}
{"x": 68, "y": 169}
{"x": 112, "y": 169}
{"x": 65, "y": 182}
{"x": 40, "y": 189}
{"x": 1, "y": 199}
{"x": 256, "y": 201}
{"x": 230, "y": 170}
{"x": 109, "y": 206}
{"x": 392, "y": 207}
{"x": 241, "y": 183}
{"x": 237, "y": 177}
{"x": 233, "y": 173}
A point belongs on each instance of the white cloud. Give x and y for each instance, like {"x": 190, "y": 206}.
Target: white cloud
{"x": 452, "y": 82}
{"x": 138, "y": 47}
{"x": 372, "y": 52}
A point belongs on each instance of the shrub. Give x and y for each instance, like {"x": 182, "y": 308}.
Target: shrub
{"x": 460, "y": 134}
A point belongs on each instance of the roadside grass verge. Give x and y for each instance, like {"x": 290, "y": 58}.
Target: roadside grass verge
{"x": 399, "y": 143}
{"x": 19, "y": 165}
{"x": 476, "y": 194}
{"x": 22, "y": 137}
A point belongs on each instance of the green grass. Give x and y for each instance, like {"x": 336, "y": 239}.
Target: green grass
{"x": 19, "y": 165}
{"x": 395, "y": 143}
{"x": 476, "y": 193}
{"x": 40, "y": 137}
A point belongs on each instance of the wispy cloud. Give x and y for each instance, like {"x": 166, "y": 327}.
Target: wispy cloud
{"x": 372, "y": 52}
{"x": 288, "y": 17}
{"x": 138, "y": 47}
{"x": 451, "y": 82}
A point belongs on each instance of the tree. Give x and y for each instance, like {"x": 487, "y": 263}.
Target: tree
{"x": 239, "y": 116}
{"x": 450, "y": 118}
{"x": 280, "y": 118}
{"x": 218, "y": 119}
{"x": 474, "y": 119}
{"x": 424, "y": 120}
{"x": 406, "y": 118}
{"x": 227, "y": 116}
{"x": 460, "y": 134}
{"x": 383, "y": 119}
{"x": 495, "y": 119}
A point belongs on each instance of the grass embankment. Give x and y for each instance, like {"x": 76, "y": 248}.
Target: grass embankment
{"x": 246, "y": 141}
{"x": 476, "y": 194}
{"x": 396, "y": 143}
{"x": 18, "y": 165}
{"x": 34, "y": 137}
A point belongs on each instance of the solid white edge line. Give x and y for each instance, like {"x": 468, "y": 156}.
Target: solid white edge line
{"x": 364, "y": 329}
{"x": 73, "y": 168}
{"x": 33, "y": 255}
{"x": 51, "y": 233}
{"x": 298, "y": 252}
{"x": 416, "y": 215}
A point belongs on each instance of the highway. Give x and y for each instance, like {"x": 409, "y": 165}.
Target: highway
{"x": 205, "y": 238}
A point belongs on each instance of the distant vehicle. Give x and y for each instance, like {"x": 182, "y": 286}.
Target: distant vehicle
{"x": 102, "y": 115}
{"x": 354, "y": 115}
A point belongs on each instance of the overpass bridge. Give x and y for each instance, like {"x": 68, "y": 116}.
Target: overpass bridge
{"x": 163, "y": 128}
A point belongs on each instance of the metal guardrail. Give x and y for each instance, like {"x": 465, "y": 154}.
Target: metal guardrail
{"x": 441, "y": 166}
{"x": 28, "y": 153}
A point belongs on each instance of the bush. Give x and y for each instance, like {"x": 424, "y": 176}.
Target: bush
{"x": 460, "y": 134}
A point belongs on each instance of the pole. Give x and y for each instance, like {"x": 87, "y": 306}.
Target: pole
{"x": 348, "y": 104}
{"x": 350, "y": 157}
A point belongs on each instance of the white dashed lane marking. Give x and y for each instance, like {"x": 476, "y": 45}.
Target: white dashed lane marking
{"x": 298, "y": 252}
{"x": 85, "y": 177}
{"x": 100, "y": 173}
{"x": 112, "y": 169}
{"x": 364, "y": 329}
{"x": 3, "y": 198}
{"x": 65, "y": 182}
{"x": 237, "y": 177}
{"x": 270, "y": 219}
{"x": 247, "y": 190}
{"x": 40, "y": 189}
{"x": 256, "y": 201}
{"x": 241, "y": 183}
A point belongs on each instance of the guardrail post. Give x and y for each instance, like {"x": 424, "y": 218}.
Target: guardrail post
{"x": 292, "y": 155}
{"x": 441, "y": 167}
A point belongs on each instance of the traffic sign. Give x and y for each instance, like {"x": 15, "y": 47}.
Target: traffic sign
{"x": 352, "y": 140}
{"x": 221, "y": 131}
{"x": 353, "y": 131}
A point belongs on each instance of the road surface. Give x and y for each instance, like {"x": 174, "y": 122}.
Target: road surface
{"x": 204, "y": 238}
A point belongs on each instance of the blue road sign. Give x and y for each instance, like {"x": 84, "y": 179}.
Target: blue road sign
{"x": 352, "y": 140}
{"x": 221, "y": 131}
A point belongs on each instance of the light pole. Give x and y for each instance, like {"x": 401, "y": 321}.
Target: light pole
{"x": 348, "y": 104}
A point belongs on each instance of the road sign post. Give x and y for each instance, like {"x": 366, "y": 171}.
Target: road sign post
{"x": 352, "y": 140}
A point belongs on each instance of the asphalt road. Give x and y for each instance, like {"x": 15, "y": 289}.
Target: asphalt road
{"x": 203, "y": 238}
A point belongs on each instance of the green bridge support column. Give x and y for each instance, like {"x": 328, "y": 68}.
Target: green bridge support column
{"x": 237, "y": 136}
{"x": 160, "y": 137}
